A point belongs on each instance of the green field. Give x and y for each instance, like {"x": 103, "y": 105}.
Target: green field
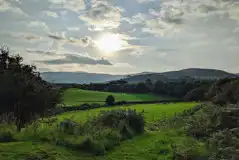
{"x": 73, "y": 97}
{"x": 150, "y": 145}
{"x": 152, "y": 112}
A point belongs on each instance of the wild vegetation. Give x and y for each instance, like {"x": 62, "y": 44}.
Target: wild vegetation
{"x": 172, "y": 131}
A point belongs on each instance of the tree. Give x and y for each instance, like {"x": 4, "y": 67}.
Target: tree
{"x": 149, "y": 84}
{"x": 141, "y": 88}
{"x": 159, "y": 87}
{"x": 110, "y": 100}
{"x": 22, "y": 90}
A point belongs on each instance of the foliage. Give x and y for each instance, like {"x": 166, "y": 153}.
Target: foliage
{"x": 182, "y": 87}
{"x": 197, "y": 93}
{"x": 110, "y": 100}
{"x": 215, "y": 124}
{"x": 92, "y": 146}
{"x": 121, "y": 119}
{"x": 23, "y": 92}
{"x": 141, "y": 88}
{"x": 224, "y": 91}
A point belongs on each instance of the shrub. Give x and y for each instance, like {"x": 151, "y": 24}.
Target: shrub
{"x": 7, "y": 132}
{"x": 92, "y": 146}
{"x": 120, "y": 103}
{"x": 110, "y": 100}
{"x": 115, "y": 118}
{"x": 224, "y": 145}
{"x": 85, "y": 106}
{"x": 68, "y": 126}
{"x": 126, "y": 131}
{"x": 95, "y": 105}
{"x": 112, "y": 139}
{"x": 6, "y": 136}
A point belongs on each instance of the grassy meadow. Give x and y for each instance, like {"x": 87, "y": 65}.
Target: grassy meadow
{"x": 150, "y": 145}
{"x": 152, "y": 112}
{"x": 74, "y": 97}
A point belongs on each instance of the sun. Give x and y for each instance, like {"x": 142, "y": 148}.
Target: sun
{"x": 109, "y": 43}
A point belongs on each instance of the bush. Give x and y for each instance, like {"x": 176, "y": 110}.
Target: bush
{"x": 95, "y": 105}
{"x": 6, "y": 137}
{"x": 7, "y": 132}
{"x": 120, "y": 103}
{"x": 110, "y": 100}
{"x": 113, "y": 139}
{"x": 85, "y": 106}
{"x": 224, "y": 144}
{"x": 68, "y": 126}
{"x": 126, "y": 131}
{"x": 92, "y": 146}
{"x": 115, "y": 118}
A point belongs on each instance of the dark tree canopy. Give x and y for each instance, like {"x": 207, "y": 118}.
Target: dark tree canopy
{"x": 22, "y": 90}
{"x": 110, "y": 100}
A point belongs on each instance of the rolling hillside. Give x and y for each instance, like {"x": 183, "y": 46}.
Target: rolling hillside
{"x": 191, "y": 73}
{"x": 78, "y": 77}
{"x": 84, "y": 77}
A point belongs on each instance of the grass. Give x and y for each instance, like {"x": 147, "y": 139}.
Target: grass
{"x": 148, "y": 146}
{"x": 73, "y": 97}
{"x": 152, "y": 112}
{"x": 151, "y": 145}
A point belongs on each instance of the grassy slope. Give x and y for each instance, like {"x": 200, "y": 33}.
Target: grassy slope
{"x": 77, "y": 96}
{"x": 151, "y": 145}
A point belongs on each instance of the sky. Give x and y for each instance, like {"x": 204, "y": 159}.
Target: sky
{"x": 122, "y": 36}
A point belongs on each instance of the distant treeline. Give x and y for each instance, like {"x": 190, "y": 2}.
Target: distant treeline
{"x": 190, "y": 89}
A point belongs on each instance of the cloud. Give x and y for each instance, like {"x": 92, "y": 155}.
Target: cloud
{"x": 50, "y": 14}
{"x": 136, "y": 19}
{"x": 172, "y": 15}
{"x": 43, "y": 52}
{"x": 103, "y": 15}
{"x": 73, "y": 28}
{"x": 37, "y": 26}
{"x": 19, "y": 35}
{"x": 144, "y": 1}
{"x": 56, "y": 36}
{"x": 76, "y": 59}
{"x": 6, "y": 6}
{"x": 73, "y": 5}
{"x": 84, "y": 42}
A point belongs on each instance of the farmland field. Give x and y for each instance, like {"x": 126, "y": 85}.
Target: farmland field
{"x": 73, "y": 97}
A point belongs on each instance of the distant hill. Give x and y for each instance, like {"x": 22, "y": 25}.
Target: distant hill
{"x": 84, "y": 77}
{"x": 191, "y": 72}
{"x": 78, "y": 77}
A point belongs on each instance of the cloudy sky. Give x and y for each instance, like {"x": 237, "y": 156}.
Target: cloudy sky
{"x": 122, "y": 36}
